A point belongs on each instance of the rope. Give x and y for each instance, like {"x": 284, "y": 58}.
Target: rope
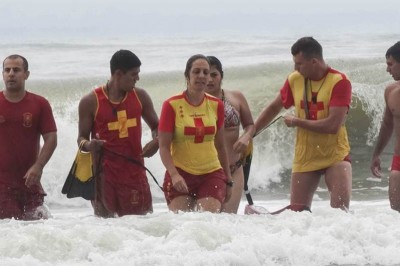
{"x": 134, "y": 162}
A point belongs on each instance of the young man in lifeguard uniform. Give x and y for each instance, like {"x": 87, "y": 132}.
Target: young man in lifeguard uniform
{"x": 112, "y": 114}
{"x": 321, "y": 97}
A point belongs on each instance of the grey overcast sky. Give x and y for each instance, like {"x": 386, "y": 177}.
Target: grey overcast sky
{"x": 35, "y": 17}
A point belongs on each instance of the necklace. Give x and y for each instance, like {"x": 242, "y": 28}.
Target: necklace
{"x": 114, "y": 107}
{"x": 314, "y": 96}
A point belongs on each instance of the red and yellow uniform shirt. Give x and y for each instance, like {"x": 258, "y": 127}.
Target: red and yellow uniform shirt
{"x": 119, "y": 124}
{"x": 194, "y": 129}
{"x": 314, "y": 151}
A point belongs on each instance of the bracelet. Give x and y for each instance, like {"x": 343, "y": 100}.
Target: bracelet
{"x": 291, "y": 121}
{"x": 230, "y": 183}
{"x": 41, "y": 164}
{"x": 83, "y": 142}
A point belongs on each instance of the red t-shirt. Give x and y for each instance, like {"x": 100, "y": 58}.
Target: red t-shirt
{"x": 21, "y": 125}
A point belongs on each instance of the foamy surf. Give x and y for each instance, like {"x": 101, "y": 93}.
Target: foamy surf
{"x": 367, "y": 236}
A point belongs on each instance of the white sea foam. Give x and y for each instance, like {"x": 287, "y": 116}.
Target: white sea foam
{"x": 369, "y": 235}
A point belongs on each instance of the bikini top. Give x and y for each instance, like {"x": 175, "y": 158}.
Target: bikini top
{"x": 232, "y": 117}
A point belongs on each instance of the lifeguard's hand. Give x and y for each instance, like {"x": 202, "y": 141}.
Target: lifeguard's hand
{"x": 95, "y": 144}
{"x": 240, "y": 145}
{"x": 33, "y": 175}
{"x": 376, "y": 167}
{"x": 289, "y": 120}
{"x": 150, "y": 148}
{"x": 179, "y": 183}
{"x": 228, "y": 193}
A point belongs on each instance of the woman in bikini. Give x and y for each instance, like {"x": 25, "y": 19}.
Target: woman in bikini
{"x": 237, "y": 112}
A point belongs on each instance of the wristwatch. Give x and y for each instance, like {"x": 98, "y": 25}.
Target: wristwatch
{"x": 230, "y": 183}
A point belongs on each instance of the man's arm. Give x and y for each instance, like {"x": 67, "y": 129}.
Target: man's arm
{"x": 328, "y": 125}
{"x": 339, "y": 105}
{"x": 150, "y": 117}
{"x": 34, "y": 173}
{"x": 269, "y": 113}
{"x": 385, "y": 133}
{"x": 87, "y": 108}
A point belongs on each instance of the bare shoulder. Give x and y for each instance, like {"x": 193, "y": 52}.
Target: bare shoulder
{"x": 234, "y": 95}
{"x": 88, "y": 101}
{"x": 141, "y": 93}
{"x": 393, "y": 87}
{"x": 90, "y": 97}
{"x": 144, "y": 97}
{"x": 139, "y": 90}
{"x": 392, "y": 91}
{"x": 392, "y": 98}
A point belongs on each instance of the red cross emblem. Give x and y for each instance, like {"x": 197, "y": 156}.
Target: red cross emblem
{"x": 199, "y": 130}
{"x": 313, "y": 108}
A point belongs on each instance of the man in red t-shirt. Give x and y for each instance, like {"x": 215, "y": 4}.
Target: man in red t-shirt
{"x": 111, "y": 115}
{"x": 24, "y": 117}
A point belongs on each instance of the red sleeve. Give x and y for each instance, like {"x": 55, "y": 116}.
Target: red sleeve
{"x": 167, "y": 118}
{"x": 47, "y": 122}
{"x": 221, "y": 114}
{"x": 286, "y": 95}
{"x": 341, "y": 94}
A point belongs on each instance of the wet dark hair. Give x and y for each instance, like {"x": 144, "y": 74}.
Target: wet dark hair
{"x": 215, "y": 62}
{"x": 25, "y": 64}
{"x": 394, "y": 51}
{"x": 308, "y": 46}
{"x": 190, "y": 61}
{"x": 124, "y": 60}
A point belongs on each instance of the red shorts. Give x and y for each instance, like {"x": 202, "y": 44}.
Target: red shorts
{"x": 19, "y": 203}
{"x": 200, "y": 186}
{"x": 396, "y": 163}
{"x": 345, "y": 159}
{"x": 128, "y": 198}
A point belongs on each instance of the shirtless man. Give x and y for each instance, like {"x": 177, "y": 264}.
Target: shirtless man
{"x": 390, "y": 123}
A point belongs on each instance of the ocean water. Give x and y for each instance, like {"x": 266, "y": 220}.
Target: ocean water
{"x": 369, "y": 236}
{"x": 256, "y": 66}
{"x": 67, "y": 61}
